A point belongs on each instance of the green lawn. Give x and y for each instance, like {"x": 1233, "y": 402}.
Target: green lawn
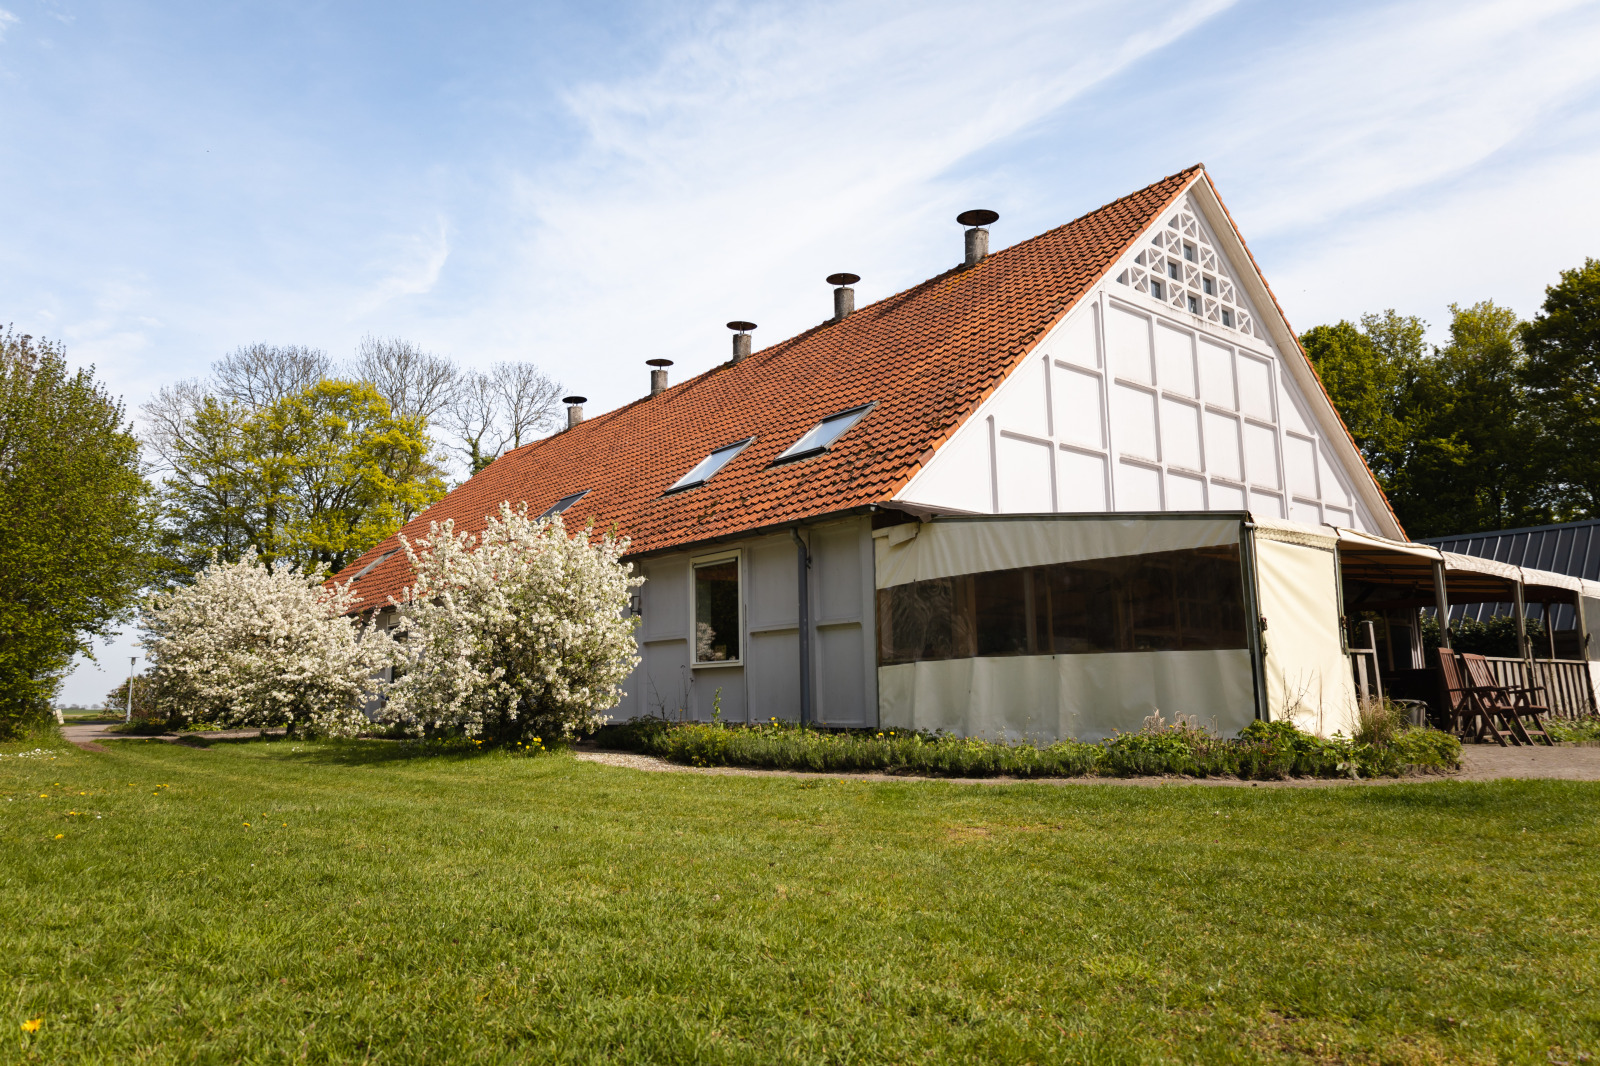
{"x": 393, "y": 907}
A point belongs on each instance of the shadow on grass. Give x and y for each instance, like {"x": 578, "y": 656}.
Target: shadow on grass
{"x": 372, "y": 752}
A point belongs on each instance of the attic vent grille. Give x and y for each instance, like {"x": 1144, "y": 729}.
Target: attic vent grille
{"x": 1197, "y": 279}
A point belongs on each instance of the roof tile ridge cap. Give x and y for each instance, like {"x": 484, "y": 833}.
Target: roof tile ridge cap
{"x": 1025, "y": 349}
{"x": 1186, "y": 174}
{"x": 1262, "y": 277}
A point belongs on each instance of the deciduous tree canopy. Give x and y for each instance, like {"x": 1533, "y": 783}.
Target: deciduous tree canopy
{"x": 1499, "y": 428}
{"x": 76, "y": 529}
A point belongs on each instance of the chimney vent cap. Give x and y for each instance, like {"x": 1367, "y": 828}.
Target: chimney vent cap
{"x": 658, "y": 362}
{"x": 741, "y": 325}
{"x": 978, "y": 217}
{"x": 843, "y": 279}
{"x": 574, "y": 399}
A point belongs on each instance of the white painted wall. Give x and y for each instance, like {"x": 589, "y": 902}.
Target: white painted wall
{"x": 1133, "y": 403}
{"x": 766, "y": 682}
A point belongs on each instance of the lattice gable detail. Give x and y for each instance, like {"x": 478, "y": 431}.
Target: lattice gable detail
{"x": 1179, "y": 265}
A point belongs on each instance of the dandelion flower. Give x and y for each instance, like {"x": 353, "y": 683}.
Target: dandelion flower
{"x": 32, "y": 1024}
{"x": 247, "y": 825}
{"x": 60, "y": 835}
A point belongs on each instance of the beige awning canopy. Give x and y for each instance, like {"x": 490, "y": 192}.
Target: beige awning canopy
{"x": 1381, "y": 573}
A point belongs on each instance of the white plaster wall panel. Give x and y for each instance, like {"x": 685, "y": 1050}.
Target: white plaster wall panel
{"x": 1261, "y": 455}
{"x": 1023, "y": 467}
{"x": 1078, "y": 339}
{"x": 1225, "y": 497}
{"x": 841, "y": 675}
{"x": 1128, "y": 341}
{"x": 1138, "y": 487}
{"x": 1266, "y": 503}
{"x": 1291, "y": 409}
{"x": 1175, "y": 359}
{"x": 665, "y": 687}
{"x": 1022, "y": 404}
{"x": 1255, "y": 387}
{"x": 1078, "y": 407}
{"x": 724, "y": 682}
{"x": 1133, "y": 421}
{"x": 773, "y": 596}
{"x": 1300, "y": 464}
{"x": 1180, "y": 434}
{"x": 1185, "y": 493}
{"x": 1338, "y": 516}
{"x": 1305, "y": 512}
{"x": 959, "y": 476}
{"x": 836, "y": 573}
{"x": 1216, "y": 375}
{"x": 774, "y": 676}
{"x": 665, "y": 598}
{"x": 1222, "y": 446}
{"x": 1081, "y": 481}
{"x": 1334, "y": 489}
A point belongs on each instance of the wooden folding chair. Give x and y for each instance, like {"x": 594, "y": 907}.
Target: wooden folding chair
{"x": 1513, "y": 704}
{"x": 1463, "y": 713}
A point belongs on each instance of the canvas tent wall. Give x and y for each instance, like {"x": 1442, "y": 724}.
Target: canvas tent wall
{"x": 1308, "y": 679}
{"x": 1052, "y": 626}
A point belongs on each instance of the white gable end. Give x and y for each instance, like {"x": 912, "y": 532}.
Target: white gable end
{"x": 1162, "y": 390}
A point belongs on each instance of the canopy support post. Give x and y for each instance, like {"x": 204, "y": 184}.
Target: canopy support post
{"x": 1442, "y": 602}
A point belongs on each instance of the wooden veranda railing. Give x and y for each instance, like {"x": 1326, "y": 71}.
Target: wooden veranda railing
{"x": 1568, "y": 692}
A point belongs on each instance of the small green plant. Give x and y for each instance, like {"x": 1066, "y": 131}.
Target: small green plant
{"x": 1585, "y": 730}
{"x": 1262, "y": 751}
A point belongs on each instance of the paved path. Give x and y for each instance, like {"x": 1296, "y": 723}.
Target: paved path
{"x": 88, "y": 737}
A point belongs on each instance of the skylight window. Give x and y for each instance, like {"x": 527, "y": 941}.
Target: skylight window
{"x": 707, "y": 468}
{"x": 370, "y": 567}
{"x": 824, "y": 433}
{"x": 565, "y": 502}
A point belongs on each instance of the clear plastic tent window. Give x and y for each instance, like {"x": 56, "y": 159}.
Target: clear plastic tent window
{"x": 707, "y": 468}
{"x": 824, "y": 433}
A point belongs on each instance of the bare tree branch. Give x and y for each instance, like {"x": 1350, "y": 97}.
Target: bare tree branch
{"x": 416, "y": 383}
{"x": 260, "y": 374}
{"x": 530, "y": 397}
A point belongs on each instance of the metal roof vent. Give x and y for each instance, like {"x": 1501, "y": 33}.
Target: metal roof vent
{"x": 844, "y": 297}
{"x": 658, "y": 376}
{"x": 978, "y": 235}
{"x": 741, "y": 338}
{"x": 574, "y": 409}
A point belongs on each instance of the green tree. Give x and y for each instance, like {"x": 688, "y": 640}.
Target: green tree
{"x": 316, "y": 477}
{"x": 76, "y": 527}
{"x": 1563, "y": 375}
{"x": 1448, "y": 432}
{"x": 1369, "y": 372}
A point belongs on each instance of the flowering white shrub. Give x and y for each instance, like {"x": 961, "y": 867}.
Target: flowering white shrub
{"x": 250, "y": 644}
{"x": 522, "y": 632}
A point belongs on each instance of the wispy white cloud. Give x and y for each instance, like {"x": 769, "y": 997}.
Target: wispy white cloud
{"x": 770, "y": 147}
{"x": 1367, "y": 108}
{"x": 7, "y": 20}
{"x": 410, "y": 265}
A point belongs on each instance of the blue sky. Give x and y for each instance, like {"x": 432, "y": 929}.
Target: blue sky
{"x": 589, "y": 186}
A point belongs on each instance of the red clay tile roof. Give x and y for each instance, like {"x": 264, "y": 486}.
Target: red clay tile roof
{"x": 926, "y": 356}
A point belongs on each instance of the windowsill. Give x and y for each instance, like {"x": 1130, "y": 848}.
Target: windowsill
{"x": 717, "y": 664}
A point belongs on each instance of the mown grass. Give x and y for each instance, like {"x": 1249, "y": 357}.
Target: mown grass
{"x": 387, "y": 906}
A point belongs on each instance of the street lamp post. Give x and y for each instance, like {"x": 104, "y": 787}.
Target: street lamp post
{"x": 132, "y": 659}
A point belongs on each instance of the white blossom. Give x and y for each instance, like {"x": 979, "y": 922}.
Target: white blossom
{"x": 521, "y": 632}
{"x": 250, "y": 644}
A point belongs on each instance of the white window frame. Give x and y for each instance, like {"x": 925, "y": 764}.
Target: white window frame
{"x": 695, "y": 563}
